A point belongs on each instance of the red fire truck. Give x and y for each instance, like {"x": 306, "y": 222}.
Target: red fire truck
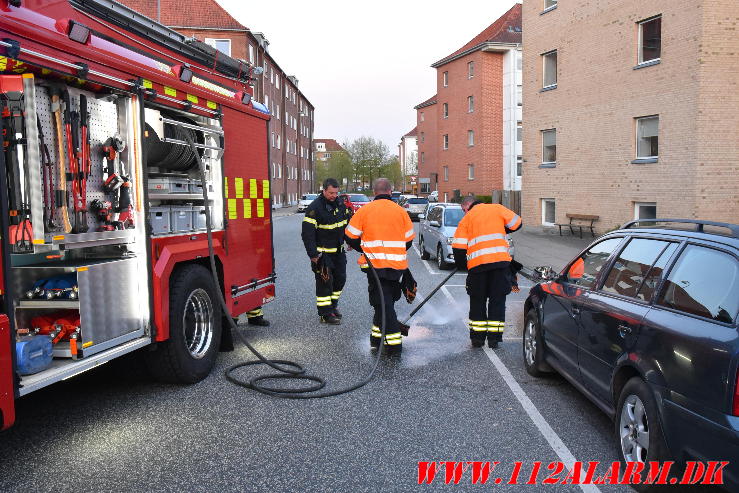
{"x": 106, "y": 117}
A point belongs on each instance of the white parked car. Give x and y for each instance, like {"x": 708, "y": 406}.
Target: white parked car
{"x": 306, "y": 200}
{"x": 434, "y": 196}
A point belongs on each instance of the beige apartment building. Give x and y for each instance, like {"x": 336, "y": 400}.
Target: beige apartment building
{"x": 630, "y": 110}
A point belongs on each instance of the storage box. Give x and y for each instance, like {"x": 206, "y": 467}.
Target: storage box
{"x": 33, "y": 354}
{"x": 169, "y": 184}
{"x": 198, "y": 217}
{"x": 161, "y": 220}
{"x": 181, "y": 218}
{"x": 196, "y": 186}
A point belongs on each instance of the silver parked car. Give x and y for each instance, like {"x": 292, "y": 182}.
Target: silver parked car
{"x": 415, "y": 206}
{"x": 436, "y": 233}
{"x": 306, "y": 200}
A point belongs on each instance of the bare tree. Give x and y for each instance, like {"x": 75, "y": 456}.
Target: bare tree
{"x": 368, "y": 156}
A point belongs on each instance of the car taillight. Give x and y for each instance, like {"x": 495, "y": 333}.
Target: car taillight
{"x": 736, "y": 395}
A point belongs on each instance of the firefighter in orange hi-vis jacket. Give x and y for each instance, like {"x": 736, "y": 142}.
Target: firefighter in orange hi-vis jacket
{"x": 480, "y": 245}
{"x": 383, "y": 232}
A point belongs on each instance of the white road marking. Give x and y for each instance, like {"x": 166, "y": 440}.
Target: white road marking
{"x": 545, "y": 429}
{"x": 425, "y": 263}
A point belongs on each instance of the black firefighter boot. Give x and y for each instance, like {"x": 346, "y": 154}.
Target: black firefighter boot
{"x": 260, "y": 321}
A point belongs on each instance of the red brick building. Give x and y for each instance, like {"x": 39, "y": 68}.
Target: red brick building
{"x": 324, "y": 148}
{"x": 477, "y": 113}
{"x": 428, "y": 149}
{"x": 291, "y": 127}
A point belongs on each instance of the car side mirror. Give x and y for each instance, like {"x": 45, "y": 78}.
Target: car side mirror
{"x": 434, "y": 224}
{"x": 421, "y": 217}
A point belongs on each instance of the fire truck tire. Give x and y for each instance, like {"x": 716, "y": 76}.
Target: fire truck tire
{"x": 194, "y": 328}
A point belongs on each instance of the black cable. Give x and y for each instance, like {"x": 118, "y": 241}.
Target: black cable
{"x": 285, "y": 373}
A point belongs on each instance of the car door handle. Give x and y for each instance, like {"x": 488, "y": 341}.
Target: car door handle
{"x": 575, "y": 311}
{"x": 624, "y": 330}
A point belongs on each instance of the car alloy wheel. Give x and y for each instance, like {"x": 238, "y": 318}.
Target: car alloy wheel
{"x": 440, "y": 258}
{"x": 634, "y": 428}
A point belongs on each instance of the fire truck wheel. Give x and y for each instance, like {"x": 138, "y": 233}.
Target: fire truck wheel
{"x": 194, "y": 328}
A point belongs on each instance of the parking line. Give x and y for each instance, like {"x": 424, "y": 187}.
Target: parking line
{"x": 545, "y": 429}
{"x": 422, "y": 260}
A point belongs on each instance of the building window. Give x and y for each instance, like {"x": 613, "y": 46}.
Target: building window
{"x": 445, "y": 79}
{"x": 549, "y": 146}
{"x": 446, "y": 175}
{"x": 549, "y": 64}
{"x": 266, "y": 100}
{"x": 470, "y": 138}
{"x": 519, "y": 165}
{"x": 650, "y": 39}
{"x": 278, "y": 142}
{"x": 222, "y": 45}
{"x": 445, "y": 141}
{"x": 278, "y": 111}
{"x": 470, "y": 104}
{"x": 645, "y": 210}
{"x": 647, "y": 140}
{"x": 425, "y": 188}
{"x": 548, "y": 4}
{"x": 548, "y": 212}
{"x": 519, "y": 132}
{"x": 251, "y": 54}
{"x": 421, "y": 117}
{"x": 273, "y": 139}
{"x": 470, "y": 171}
{"x": 277, "y": 81}
{"x": 445, "y": 110}
{"x": 423, "y": 157}
{"x": 470, "y": 70}
{"x": 423, "y": 137}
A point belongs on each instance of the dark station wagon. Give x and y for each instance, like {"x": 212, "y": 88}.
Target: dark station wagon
{"x": 644, "y": 323}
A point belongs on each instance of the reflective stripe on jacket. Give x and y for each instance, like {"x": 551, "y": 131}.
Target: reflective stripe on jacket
{"x": 383, "y": 228}
{"x": 482, "y": 233}
{"x": 323, "y": 226}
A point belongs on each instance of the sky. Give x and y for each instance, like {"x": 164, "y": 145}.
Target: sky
{"x": 365, "y": 65}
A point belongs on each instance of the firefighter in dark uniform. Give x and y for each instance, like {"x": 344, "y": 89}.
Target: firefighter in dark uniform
{"x": 480, "y": 245}
{"x": 256, "y": 317}
{"x": 383, "y": 232}
{"x": 323, "y": 238}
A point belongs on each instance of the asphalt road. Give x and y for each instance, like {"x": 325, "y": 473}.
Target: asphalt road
{"x": 111, "y": 430}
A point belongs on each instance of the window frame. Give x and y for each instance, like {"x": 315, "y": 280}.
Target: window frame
{"x": 638, "y": 204}
{"x": 668, "y": 270}
{"x": 637, "y": 157}
{"x": 470, "y": 172}
{"x": 470, "y": 138}
{"x": 547, "y": 8}
{"x": 445, "y": 110}
{"x": 544, "y": 211}
{"x": 445, "y": 78}
{"x": 471, "y": 69}
{"x": 544, "y": 85}
{"x": 543, "y": 162}
{"x": 640, "y": 62}
{"x": 445, "y": 170}
{"x": 445, "y": 142}
{"x": 470, "y": 104}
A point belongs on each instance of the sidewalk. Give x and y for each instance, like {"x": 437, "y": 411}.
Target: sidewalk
{"x": 285, "y": 211}
{"x": 537, "y": 247}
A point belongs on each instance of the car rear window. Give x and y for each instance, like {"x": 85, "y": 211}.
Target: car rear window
{"x": 703, "y": 282}
{"x": 358, "y": 198}
{"x": 637, "y": 262}
{"x": 418, "y": 201}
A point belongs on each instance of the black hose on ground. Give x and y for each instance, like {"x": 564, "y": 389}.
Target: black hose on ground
{"x": 287, "y": 369}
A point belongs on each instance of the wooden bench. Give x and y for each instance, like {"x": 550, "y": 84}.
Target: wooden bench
{"x": 579, "y": 221}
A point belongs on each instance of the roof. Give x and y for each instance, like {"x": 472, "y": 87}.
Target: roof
{"x": 428, "y": 102}
{"x": 331, "y": 145}
{"x": 505, "y": 30}
{"x": 412, "y": 133}
{"x": 199, "y": 13}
